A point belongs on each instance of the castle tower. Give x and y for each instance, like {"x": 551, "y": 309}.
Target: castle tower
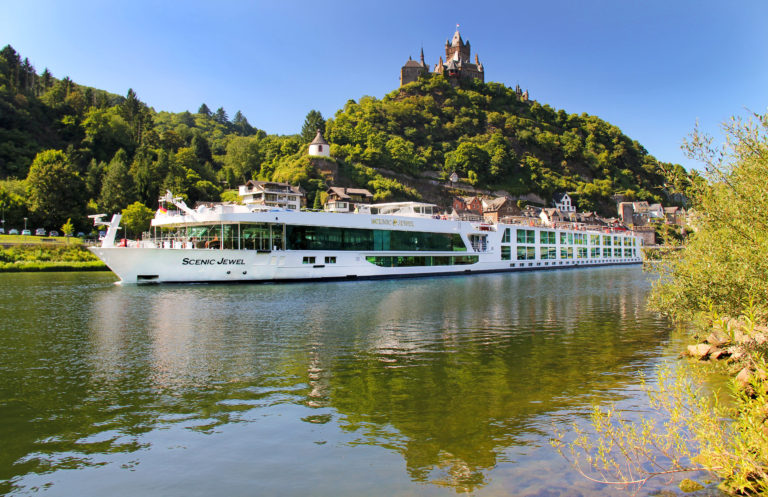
{"x": 456, "y": 49}
{"x": 319, "y": 147}
{"x": 411, "y": 71}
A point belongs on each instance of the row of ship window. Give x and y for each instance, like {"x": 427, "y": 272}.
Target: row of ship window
{"x": 524, "y": 236}
{"x": 404, "y": 260}
{"x": 529, "y": 253}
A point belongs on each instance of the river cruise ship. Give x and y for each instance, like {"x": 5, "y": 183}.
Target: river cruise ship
{"x": 252, "y": 243}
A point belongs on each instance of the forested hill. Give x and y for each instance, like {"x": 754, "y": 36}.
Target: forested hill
{"x": 67, "y": 150}
{"x": 491, "y": 136}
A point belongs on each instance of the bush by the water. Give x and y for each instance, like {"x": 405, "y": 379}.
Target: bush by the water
{"x": 46, "y": 258}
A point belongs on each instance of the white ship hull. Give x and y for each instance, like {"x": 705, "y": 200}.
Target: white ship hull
{"x": 156, "y": 265}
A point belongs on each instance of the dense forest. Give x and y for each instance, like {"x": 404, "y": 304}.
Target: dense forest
{"x": 68, "y": 150}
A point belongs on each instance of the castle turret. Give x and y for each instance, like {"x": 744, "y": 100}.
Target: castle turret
{"x": 457, "y": 47}
{"x": 411, "y": 71}
{"x": 319, "y": 147}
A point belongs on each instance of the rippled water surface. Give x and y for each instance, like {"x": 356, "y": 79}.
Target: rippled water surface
{"x": 427, "y": 386}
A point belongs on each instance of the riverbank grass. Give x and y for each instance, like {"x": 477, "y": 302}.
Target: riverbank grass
{"x": 39, "y": 240}
{"x": 44, "y": 257}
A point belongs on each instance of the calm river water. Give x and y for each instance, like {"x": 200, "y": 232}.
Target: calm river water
{"x": 427, "y": 386}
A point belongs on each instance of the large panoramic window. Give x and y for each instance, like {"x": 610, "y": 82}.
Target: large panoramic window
{"x": 507, "y": 237}
{"x": 526, "y": 236}
{"x": 607, "y": 240}
{"x": 526, "y": 253}
{"x": 549, "y": 252}
{"x": 594, "y": 239}
{"x": 566, "y": 252}
{"x": 547, "y": 237}
{"x": 255, "y": 236}
{"x": 506, "y": 253}
{"x": 332, "y": 238}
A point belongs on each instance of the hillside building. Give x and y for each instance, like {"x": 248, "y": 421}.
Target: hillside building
{"x": 272, "y": 194}
{"x": 346, "y": 199}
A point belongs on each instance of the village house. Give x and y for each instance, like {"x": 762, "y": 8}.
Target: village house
{"x": 640, "y": 213}
{"x": 563, "y": 203}
{"x": 530, "y": 215}
{"x": 472, "y": 204}
{"x": 467, "y": 208}
{"x": 272, "y": 194}
{"x": 646, "y": 233}
{"x": 551, "y": 217}
{"x": 346, "y": 199}
{"x": 674, "y": 215}
{"x": 498, "y": 208}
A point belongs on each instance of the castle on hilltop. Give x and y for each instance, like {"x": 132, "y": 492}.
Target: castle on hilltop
{"x": 457, "y": 66}
{"x": 457, "y": 63}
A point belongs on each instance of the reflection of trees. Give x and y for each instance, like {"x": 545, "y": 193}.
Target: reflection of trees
{"x": 451, "y": 379}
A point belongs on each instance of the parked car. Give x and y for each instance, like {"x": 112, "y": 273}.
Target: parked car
{"x": 13, "y": 231}
{"x": 39, "y": 232}
{"x": 2, "y": 231}
{"x": 54, "y": 233}
{"x": 26, "y": 232}
{"x": 80, "y": 234}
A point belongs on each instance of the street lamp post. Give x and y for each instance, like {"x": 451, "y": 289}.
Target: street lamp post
{"x": 25, "y": 224}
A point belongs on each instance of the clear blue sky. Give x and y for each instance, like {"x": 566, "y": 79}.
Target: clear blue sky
{"x": 650, "y": 67}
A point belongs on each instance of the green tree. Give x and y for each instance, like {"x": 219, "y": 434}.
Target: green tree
{"x": 202, "y": 149}
{"x": 118, "y": 188}
{"x": 221, "y": 116}
{"x": 106, "y": 131}
{"x": 723, "y": 266}
{"x": 12, "y": 206}
{"x": 137, "y": 115}
{"x": 241, "y": 125}
{"x": 68, "y": 228}
{"x": 204, "y": 110}
{"x": 136, "y": 219}
{"x": 244, "y": 156}
{"x": 312, "y": 123}
{"x": 144, "y": 177}
{"x": 56, "y": 190}
{"x": 94, "y": 177}
{"x": 468, "y": 157}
